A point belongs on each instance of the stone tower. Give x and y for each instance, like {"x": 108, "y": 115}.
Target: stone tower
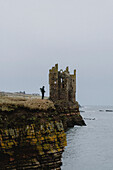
{"x": 62, "y": 85}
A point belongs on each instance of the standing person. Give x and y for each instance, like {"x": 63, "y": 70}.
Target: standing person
{"x": 42, "y": 91}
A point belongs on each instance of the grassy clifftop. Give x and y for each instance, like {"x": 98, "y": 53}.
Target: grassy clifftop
{"x": 11, "y": 103}
{"x": 19, "y": 111}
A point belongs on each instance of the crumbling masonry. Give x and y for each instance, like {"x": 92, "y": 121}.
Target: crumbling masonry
{"x": 62, "y": 85}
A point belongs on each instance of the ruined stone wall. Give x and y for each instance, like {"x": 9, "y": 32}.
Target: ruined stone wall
{"x": 54, "y": 83}
{"x": 62, "y": 84}
{"x": 73, "y": 77}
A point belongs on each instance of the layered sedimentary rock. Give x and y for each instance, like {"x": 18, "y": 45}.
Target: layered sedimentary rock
{"x": 32, "y": 132}
{"x": 69, "y": 113}
{"x": 32, "y": 146}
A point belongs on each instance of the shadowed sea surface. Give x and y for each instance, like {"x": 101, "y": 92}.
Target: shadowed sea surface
{"x": 91, "y": 147}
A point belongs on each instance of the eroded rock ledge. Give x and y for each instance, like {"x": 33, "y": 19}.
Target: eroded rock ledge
{"x": 32, "y": 132}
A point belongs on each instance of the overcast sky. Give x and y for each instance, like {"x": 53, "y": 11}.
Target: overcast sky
{"x": 36, "y": 34}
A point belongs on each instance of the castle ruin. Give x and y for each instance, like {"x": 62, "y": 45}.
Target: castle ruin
{"x": 62, "y": 85}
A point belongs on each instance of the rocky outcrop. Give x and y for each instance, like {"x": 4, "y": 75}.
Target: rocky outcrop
{"x": 69, "y": 113}
{"x": 32, "y": 132}
{"x": 32, "y": 146}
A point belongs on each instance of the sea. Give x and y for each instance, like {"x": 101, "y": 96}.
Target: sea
{"x": 90, "y": 147}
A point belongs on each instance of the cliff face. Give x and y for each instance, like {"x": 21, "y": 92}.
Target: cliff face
{"x": 32, "y": 132}
{"x": 32, "y": 146}
{"x": 69, "y": 114}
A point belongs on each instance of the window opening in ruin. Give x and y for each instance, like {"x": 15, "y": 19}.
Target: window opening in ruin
{"x": 54, "y": 82}
{"x": 62, "y": 83}
{"x": 61, "y": 71}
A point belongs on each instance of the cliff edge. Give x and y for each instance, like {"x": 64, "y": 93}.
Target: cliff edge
{"x": 32, "y": 132}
